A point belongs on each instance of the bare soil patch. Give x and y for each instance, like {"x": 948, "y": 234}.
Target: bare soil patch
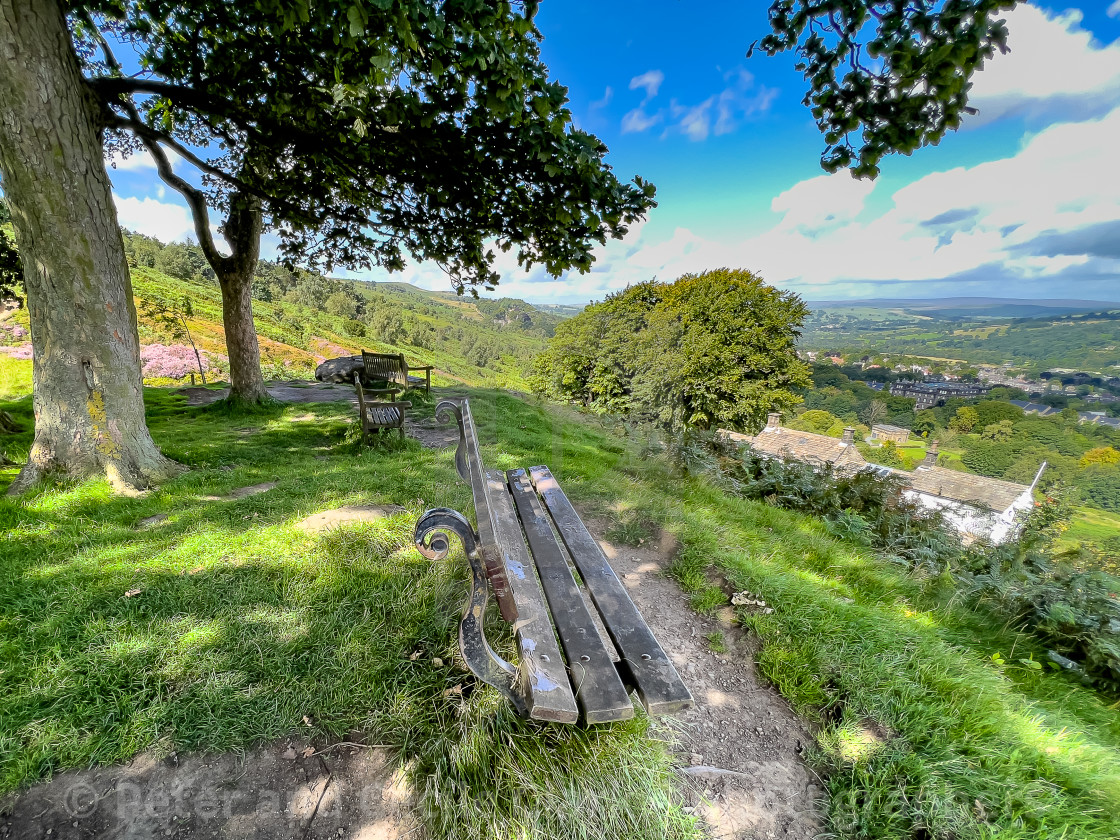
{"x": 242, "y": 492}
{"x": 295, "y": 391}
{"x": 287, "y": 789}
{"x": 741, "y": 747}
{"x": 347, "y": 514}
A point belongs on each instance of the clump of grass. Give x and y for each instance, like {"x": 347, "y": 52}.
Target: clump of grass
{"x": 716, "y": 641}
{"x": 630, "y": 527}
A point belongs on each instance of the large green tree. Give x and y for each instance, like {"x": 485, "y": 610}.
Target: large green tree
{"x": 709, "y": 349}
{"x": 360, "y": 133}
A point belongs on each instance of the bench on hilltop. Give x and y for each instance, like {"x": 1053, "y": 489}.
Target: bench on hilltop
{"x": 516, "y": 552}
{"x": 392, "y": 368}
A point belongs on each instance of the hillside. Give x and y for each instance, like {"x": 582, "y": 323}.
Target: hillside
{"x": 219, "y": 623}
{"x": 302, "y": 318}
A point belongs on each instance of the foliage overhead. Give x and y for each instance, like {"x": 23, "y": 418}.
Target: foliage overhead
{"x": 365, "y": 132}
{"x": 708, "y": 349}
{"x": 895, "y": 74}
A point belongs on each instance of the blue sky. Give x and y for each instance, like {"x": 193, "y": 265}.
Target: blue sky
{"x": 1024, "y": 201}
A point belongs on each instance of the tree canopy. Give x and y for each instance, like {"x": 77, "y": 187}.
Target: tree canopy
{"x": 708, "y": 349}
{"x": 366, "y": 132}
{"x": 895, "y": 74}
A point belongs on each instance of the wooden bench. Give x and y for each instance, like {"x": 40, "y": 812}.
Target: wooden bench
{"x": 392, "y": 368}
{"x": 380, "y": 415}
{"x": 515, "y": 549}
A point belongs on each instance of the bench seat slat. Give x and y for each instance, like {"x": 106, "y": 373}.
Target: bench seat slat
{"x": 657, "y": 682}
{"x": 599, "y": 689}
{"x": 542, "y": 675}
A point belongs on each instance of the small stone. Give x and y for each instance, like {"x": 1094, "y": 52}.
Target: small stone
{"x": 437, "y": 662}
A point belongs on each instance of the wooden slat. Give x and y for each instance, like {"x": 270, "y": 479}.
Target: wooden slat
{"x": 484, "y": 517}
{"x": 657, "y": 682}
{"x": 542, "y": 675}
{"x": 599, "y": 690}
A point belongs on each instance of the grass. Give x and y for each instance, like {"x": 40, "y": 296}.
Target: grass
{"x": 15, "y": 377}
{"x": 224, "y": 625}
{"x": 1091, "y": 525}
{"x": 243, "y": 625}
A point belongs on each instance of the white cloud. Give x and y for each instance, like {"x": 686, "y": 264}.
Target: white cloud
{"x": 165, "y": 221}
{"x": 740, "y": 99}
{"x": 139, "y": 161}
{"x": 823, "y": 201}
{"x": 1114, "y": 9}
{"x": 1044, "y": 221}
{"x": 695, "y": 122}
{"x": 650, "y": 81}
{"x": 1052, "y": 62}
{"x": 638, "y": 120}
{"x": 608, "y": 94}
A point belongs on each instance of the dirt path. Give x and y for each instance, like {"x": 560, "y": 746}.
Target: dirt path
{"x": 741, "y": 748}
{"x": 297, "y": 391}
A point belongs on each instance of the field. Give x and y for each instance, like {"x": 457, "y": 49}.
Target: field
{"x": 1091, "y": 525}
{"x": 239, "y": 625}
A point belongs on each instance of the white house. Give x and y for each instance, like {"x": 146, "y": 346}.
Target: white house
{"x": 978, "y": 507}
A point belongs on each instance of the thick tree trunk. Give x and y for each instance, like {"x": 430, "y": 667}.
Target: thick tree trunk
{"x": 89, "y": 407}
{"x": 245, "y": 378}
{"x": 235, "y": 276}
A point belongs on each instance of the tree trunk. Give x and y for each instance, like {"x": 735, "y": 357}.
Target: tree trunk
{"x": 89, "y": 406}
{"x": 235, "y": 276}
{"x": 245, "y": 378}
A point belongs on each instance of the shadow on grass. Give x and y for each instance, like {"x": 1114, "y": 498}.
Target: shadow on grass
{"x": 223, "y": 625}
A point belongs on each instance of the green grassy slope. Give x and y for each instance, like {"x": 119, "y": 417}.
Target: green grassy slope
{"x": 240, "y": 625}
{"x": 300, "y": 337}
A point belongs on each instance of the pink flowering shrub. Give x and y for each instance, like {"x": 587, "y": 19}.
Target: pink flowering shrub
{"x": 171, "y": 361}
{"x": 11, "y": 332}
{"x": 20, "y": 351}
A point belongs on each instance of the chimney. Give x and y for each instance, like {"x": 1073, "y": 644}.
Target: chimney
{"x": 931, "y": 455}
{"x": 773, "y": 420}
{"x": 849, "y": 435}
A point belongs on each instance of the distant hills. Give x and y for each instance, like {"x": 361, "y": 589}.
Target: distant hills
{"x": 974, "y": 307}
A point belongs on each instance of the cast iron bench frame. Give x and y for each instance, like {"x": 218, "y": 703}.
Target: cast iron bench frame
{"x": 536, "y": 589}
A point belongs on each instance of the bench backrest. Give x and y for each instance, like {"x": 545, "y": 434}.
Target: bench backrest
{"x": 387, "y": 366}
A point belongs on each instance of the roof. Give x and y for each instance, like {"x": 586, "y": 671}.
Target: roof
{"x": 802, "y": 446}
{"x": 886, "y": 427}
{"x": 977, "y": 490}
{"x": 1034, "y": 408}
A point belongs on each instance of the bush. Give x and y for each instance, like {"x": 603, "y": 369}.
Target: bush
{"x": 171, "y": 361}
{"x": 1073, "y": 609}
{"x": 1070, "y": 605}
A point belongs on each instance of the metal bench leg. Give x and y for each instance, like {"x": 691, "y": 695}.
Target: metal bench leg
{"x": 433, "y": 541}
